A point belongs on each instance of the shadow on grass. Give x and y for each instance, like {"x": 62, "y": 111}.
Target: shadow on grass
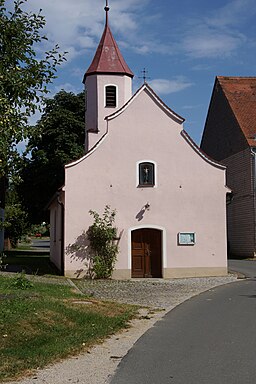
{"x": 31, "y": 262}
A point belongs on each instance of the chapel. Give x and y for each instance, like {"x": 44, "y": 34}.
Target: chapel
{"x": 169, "y": 197}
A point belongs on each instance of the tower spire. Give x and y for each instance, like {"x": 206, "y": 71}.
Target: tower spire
{"x": 108, "y": 58}
{"x": 106, "y": 10}
{"x": 108, "y": 82}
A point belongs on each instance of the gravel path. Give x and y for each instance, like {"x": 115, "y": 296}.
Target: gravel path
{"x": 100, "y": 362}
{"x": 156, "y": 293}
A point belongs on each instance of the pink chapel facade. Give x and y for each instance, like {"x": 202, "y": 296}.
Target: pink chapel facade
{"x": 170, "y": 199}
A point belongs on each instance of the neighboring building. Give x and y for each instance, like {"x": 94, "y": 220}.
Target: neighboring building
{"x": 230, "y": 137}
{"x": 170, "y": 198}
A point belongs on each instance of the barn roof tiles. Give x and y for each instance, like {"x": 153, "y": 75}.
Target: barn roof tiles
{"x": 241, "y": 95}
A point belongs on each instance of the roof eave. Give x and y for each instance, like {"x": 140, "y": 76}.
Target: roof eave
{"x": 114, "y": 73}
{"x": 174, "y": 115}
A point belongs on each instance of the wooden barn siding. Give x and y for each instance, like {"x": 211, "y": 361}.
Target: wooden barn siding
{"x": 241, "y": 213}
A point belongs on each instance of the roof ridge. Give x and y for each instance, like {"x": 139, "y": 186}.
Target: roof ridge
{"x": 159, "y": 100}
{"x": 236, "y": 77}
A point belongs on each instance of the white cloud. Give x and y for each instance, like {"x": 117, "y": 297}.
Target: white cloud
{"x": 21, "y": 146}
{"x": 150, "y": 47}
{"x": 86, "y": 42}
{"x": 191, "y": 106}
{"x": 212, "y": 43}
{"x": 66, "y": 86}
{"x": 217, "y": 34}
{"x": 79, "y": 24}
{"x": 201, "y": 67}
{"x": 35, "y": 117}
{"x": 165, "y": 87}
{"x": 232, "y": 14}
{"x": 77, "y": 72}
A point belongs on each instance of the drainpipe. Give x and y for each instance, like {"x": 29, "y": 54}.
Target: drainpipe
{"x": 253, "y": 153}
{"x": 62, "y": 232}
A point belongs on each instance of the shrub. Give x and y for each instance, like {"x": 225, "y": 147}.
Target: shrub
{"x": 102, "y": 236}
{"x": 21, "y": 282}
{"x": 2, "y": 257}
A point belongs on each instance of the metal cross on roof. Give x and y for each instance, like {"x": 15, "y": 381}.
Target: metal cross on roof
{"x": 144, "y": 75}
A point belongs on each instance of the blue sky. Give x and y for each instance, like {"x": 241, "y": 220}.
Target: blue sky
{"x": 182, "y": 44}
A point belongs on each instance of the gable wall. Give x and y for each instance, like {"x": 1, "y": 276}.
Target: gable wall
{"x": 222, "y": 135}
{"x": 190, "y": 193}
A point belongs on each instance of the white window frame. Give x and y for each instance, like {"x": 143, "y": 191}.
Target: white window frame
{"x": 105, "y": 98}
{"x": 138, "y": 173}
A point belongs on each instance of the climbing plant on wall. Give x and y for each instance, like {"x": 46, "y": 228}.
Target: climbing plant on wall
{"x": 102, "y": 235}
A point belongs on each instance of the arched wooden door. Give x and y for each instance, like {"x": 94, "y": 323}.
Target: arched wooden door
{"x": 146, "y": 253}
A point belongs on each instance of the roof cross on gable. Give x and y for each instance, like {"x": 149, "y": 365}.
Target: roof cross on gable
{"x": 144, "y": 75}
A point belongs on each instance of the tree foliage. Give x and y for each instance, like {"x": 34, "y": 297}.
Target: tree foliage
{"x": 24, "y": 75}
{"x": 58, "y": 138}
{"x": 15, "y": 223}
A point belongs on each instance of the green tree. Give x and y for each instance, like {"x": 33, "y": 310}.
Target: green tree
{"x": 24, "y": 76}
{"x": 16, "y": 223}
{"x": 58, "y": 138}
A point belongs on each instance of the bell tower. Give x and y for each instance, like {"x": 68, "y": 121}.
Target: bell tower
{"x": 108, "y": 85}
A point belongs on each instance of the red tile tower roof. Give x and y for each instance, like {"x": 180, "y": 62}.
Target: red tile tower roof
{"x": 241, "y": 95}
{"x": 108, "y": 58}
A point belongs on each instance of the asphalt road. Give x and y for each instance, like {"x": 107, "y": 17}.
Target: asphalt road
{"x": 246, "y": 267}
{"x": 41, "y": 243}
{"x": 209, "y": 339}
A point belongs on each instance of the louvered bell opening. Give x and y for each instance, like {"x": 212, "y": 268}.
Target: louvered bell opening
{"x": 111, "y": 96}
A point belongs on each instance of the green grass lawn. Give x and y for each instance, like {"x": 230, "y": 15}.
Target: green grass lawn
{"x": 47, "y": 322}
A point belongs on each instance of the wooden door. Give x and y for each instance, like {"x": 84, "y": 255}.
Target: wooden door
{"x": 146, "y": 253}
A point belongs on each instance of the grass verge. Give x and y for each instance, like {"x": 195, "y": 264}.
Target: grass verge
{"x": 43, "y": 323}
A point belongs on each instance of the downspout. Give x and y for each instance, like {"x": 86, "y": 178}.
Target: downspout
{"x": 253, "y": 153}
{"x": 62, "y": 232}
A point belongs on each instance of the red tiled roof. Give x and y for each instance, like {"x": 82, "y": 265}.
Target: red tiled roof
{"x": 108, "y": 58}
{"x": 241, "y": 95}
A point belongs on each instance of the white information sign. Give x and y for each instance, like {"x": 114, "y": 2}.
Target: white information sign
{"x": 187, "y": 238}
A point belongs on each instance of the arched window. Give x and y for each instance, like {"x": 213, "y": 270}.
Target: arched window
{"x": 146, "y": 174}
{"x": 111, "y": 96}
